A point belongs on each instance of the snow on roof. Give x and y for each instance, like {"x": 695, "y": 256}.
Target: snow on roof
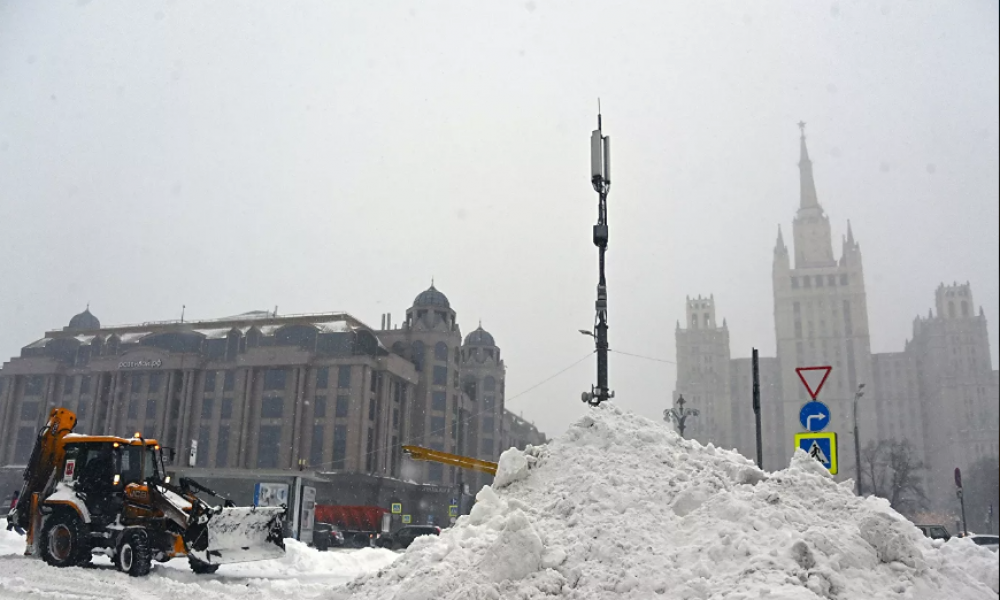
{"x": 39, "y": 343}
{"x": 132, "y": 337}
{"x": 622, "y": 507}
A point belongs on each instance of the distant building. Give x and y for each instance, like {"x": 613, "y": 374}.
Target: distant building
{"x": 261, "y": 392}
{"x": 519, "y": 433}
{"x": 940, "y": 392}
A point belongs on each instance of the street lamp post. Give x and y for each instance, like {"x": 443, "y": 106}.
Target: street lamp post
{"x": 857, "y": 441}
{"x": 679, "y": 415}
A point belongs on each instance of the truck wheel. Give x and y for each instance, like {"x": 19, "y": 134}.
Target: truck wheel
{"x": 134, "y": 556}
{"x": 64, "y": 541}
{"x": 201, "y": 568}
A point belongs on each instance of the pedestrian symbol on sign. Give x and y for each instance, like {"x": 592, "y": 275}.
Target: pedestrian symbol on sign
{"x": 816, "y": 452}
{"x": 819, "y": 445}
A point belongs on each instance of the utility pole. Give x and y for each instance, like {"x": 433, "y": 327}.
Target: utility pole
{"x": 857, "y": 440}
{"x": 679, "y": 415}
{"x": 600, "y": 178}
{"x": 756, "y": 408}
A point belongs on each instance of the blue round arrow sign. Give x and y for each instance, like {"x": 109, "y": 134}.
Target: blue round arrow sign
{"x": 814, "y": 416}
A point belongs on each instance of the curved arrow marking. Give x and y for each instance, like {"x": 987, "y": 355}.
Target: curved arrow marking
{"x": 810, "y": 418}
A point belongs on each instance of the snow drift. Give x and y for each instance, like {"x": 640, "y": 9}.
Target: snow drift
{"x": 621, "y": 507}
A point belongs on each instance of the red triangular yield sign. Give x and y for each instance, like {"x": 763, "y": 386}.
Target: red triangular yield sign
{"x": 813, "y": 378}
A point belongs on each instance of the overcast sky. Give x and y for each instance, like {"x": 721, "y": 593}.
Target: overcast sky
{"x": 323, "y": 156}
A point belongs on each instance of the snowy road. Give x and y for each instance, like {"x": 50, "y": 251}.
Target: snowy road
{"x": 302, "y": 574}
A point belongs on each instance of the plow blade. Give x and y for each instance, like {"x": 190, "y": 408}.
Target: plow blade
{"x": 242, "y": 535}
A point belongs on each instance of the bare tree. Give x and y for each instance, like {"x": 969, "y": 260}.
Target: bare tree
{"x": 892, "y": 472}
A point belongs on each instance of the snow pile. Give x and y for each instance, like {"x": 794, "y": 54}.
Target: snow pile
{"x": 300, "y": 560}
{"x": 10, "y": 542}
{"x": 621, "y": 507}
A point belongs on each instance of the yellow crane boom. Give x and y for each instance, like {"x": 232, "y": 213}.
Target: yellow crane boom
{"x": 454, "y": 460}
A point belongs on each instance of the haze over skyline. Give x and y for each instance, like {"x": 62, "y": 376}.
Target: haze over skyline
{"x": 323, "y": 157}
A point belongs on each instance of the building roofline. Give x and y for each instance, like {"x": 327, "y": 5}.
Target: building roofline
{"x": 253, "y": 318}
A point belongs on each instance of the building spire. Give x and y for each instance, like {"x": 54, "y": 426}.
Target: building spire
{"x": 807, "y": 191}
{"x": 850, "y": 234}
{"x": 780, "y": 244}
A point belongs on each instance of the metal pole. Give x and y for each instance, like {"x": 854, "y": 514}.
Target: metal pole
{"x": 961, "y": 501}
{"x": 756, "y": 408}
{"x": 857, "y": 442}
{"x": 600, "y": 157}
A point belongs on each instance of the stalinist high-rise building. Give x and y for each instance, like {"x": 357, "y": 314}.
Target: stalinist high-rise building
{"x": 940, "y": 392}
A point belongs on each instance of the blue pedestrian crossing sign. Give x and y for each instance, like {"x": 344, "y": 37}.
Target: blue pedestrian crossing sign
{"x": 821, "y": 446}
{"x": 814, "y": 416}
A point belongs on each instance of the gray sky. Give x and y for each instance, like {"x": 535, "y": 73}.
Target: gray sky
{"x": 335, "y": 156}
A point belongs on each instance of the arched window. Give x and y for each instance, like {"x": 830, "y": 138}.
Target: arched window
{"x": 965, "y": 308}
{"x": 417, "y": 354}
{"x": 489, "y": 383}
{"x": 951, "y": 310}
{"x": 441, "y": 351}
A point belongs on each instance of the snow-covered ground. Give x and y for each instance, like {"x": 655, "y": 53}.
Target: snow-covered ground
{"x": 619, "y": 507}
{"x": 302, "y": 573}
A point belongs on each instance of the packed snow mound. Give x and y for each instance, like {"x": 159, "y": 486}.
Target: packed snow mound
{"x": 621, "y": 507}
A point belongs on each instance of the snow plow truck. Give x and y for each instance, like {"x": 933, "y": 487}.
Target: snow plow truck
{"x": 97, "y": 494}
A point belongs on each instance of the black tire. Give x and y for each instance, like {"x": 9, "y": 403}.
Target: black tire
{"x": 65, "y": 540}
{"x": 134, "y": 556}
{"x": 201, "y": 568}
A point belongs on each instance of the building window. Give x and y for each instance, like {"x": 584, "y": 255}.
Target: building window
{"x": 222, "y": 447}
{"x": 29, "y": 411}
{"x": 343, "y": 405}
{"x": 344, "y": 377}
{"x": 136, "y": 383}
{"x": 229, "y": 381}
{"x": 339, "y": 446}
{"x": 268, "y": 441}
{"x": 227, "y": 408}
{"x": 393, "y": 454}
{"x": 207, "y": 406}
{"x": 489, "y": 402}
{"x": 275, "y": 379}
{"x": 487, "y": 447}
{"x": 67, "y": 385}
{"x": 322, "y": 378}
{"x": 150, "y": 409}
{"x": 210, "y": 381}
{"x": 440, "y": 375}
{"x": 489, "y": 383}
{"x": 319, "y": 407}
{"x": 133, "y": 408}
{"x": 439, "y": 401}
{"x": 201, "y": 459}
{"x": 831, "y": 280}
{"x": 85, "y": 384}
{"x": 370, "y": 451}
{"x": 34, "y": 386}
{"x": 395, "y": 417}
{"x": 373, "y": 384}
{"x": 437, "y": 426}
{"x": 417, "y": 355}
{"x": 435, "y": 472}
{"x": 488, "y": 424}
{"x": 795, "y": 283}
{"x": 371, "y": 409}
{"x": 272, "y": 407}
{"x": 441, "y": 351}
{"x": 22, "y": 447}
{"x": 316, "y": 450}
{"x": 81, "y": 409}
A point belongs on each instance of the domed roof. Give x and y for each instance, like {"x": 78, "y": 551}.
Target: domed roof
{"x": 84, "y": 320}
{"x": 431, "y": 297}
{"x": 479, "y": 337}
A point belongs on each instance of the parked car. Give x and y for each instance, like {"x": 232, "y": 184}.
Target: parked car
{"x": 326, "y": 536}
{"x": 404, "y": 536}
{"x": 987, "y": 541}
{"x": 935, "y": 532}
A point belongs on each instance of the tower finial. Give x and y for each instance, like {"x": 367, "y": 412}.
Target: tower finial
{"x": 807, "y": 186}
{"x": 88, "y": 304}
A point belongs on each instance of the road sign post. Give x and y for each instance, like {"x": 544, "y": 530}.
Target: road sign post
{"x": 961, "y": 498}
{"x": 820, "y": 445}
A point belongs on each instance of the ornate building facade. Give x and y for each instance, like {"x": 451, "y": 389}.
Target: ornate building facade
{"x": 940, "y": 392}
